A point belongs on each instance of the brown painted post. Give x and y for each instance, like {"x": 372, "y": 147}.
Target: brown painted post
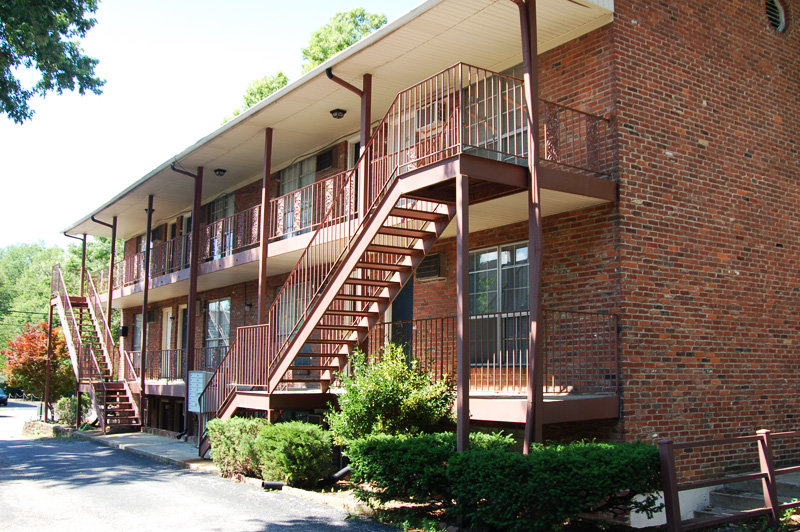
{"x": 109, "y": 308}
{"x": 145, "y": 293}
{"x": 47, "y": 363}
{"x": 366, "y": 133}
{"x": 78, "y": 405}
{"x": 462, "y": 308}
{"x": 533, "y": 419}
{"x": 83, "y": 263}
{"x": 768, "y": 483}
{"x": 262, "y": 262}
{"x": 194, "y": 265}
{"x": 672, "y": 505}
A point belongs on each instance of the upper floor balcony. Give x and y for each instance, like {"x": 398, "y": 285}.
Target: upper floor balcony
{"x": 463, "y": 111}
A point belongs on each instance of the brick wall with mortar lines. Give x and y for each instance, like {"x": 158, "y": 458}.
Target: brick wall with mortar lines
{"x": 708, "y": 125}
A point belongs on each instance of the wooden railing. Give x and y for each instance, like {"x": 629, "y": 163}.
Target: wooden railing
{"x": 763, "y": 459}
{"x": 580, "y": 350}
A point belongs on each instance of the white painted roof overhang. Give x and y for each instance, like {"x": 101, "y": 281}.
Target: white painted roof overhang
{"x": 426, "y": 40}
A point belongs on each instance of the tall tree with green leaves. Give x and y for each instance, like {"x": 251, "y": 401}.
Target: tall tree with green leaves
{"x": 258, "y": 90}
{"x": 345, "y": 29}
{"x": 27, "y": 360}
{"x": 44, "y": 36}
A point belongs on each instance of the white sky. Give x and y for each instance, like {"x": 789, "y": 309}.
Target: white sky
{"x": 173, "y": 70}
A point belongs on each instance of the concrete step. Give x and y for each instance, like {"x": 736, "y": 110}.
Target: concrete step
{"x": 787, "y": 485}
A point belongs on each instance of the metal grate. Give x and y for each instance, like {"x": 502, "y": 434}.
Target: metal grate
{"x": 776, "y": 14}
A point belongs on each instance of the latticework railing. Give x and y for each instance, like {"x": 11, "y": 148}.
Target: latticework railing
{"x": 231, "y": 234}
{"x": 300, "y": 211}
{"x": 580, "y": 350}
{"x": 170, "y": 256}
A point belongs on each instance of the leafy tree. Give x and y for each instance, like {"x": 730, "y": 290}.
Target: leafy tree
{"x": 25, "y": 271}
{"x": 44, "y": 36}
{"x": 26, "y": 361}
{"x": 344, "y": 29}
{"x": 258, "y": 90}
{"x": 389, "y": 396}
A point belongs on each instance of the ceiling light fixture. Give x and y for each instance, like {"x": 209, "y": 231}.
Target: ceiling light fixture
{"x": 338, "y": 113}
{"x": 219, "y": 172}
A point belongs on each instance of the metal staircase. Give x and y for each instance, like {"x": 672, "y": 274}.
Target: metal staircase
{"x": 93, "y": 354}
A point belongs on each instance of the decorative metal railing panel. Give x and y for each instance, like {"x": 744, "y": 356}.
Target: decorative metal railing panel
{"x": 301, "y": 210}
{"x": 170, "y": 256}
{"x": 230, "y": 235}
{"x": 166, "y": 364}
{"x": 580, "y": 350}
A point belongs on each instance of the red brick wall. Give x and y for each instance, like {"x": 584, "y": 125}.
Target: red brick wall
{"x": 708, "y": 120}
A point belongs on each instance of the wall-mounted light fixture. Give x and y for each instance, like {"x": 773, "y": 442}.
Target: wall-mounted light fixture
{"x": 248, "y": 307}
{"x": 338, "y": 113}
{"x": 219, "y": 172}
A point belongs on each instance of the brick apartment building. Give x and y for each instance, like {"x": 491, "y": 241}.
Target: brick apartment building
{"x": 667, "y": 163}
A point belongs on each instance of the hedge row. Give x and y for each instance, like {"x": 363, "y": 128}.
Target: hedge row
{"x": 294, "y": 452}
{"x": 489, "y": 487}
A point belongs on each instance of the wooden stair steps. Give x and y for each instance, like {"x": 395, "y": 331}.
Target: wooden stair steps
{"x": 406, "y": 232}
{"x": 366, "y": 265}
{"x": 414, "y": 214}
{"x": 394, "y": 250}
{"x": 361, "y": 299}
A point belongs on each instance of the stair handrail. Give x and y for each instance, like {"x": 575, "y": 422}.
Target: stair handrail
{"x": 72, "y": 335}
{"x": 98, "y": 408}
{"x": 131, "y": 380}
{"x": 311, "y": 268}
{"x": 214, "y": 395}
{"x": 100, "y": 322}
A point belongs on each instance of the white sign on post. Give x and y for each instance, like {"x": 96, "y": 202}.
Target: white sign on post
{"x": 198, "y": 380}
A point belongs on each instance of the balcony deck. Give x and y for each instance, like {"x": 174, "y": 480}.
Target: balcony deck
{"x": 477, "y": 130}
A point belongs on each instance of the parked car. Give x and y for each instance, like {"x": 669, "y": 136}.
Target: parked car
{"x": 3, "y": 398}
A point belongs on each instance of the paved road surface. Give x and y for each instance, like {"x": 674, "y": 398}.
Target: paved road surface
{"x": 73, "y": 485}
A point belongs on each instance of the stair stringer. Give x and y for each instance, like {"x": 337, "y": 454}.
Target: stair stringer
{"x": 367, "y": 231}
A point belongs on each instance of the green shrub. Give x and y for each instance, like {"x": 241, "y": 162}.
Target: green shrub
{"x": 506, "y": 491}
{"x": 389, "y": 396}
{"x": 295, "y": 452}
{"x": 409, "y": 468}
{"x": 65, "y": 408}
{"x": 232, "y": 445}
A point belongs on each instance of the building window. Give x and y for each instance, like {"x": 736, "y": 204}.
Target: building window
{"x": 218, "y": 328}
{"x": 498, "y": 305}
{"x": 220, "y": 226}
{"x": 299, "y": 207}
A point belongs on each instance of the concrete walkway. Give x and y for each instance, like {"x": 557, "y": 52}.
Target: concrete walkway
{"x": 165, "y": 449}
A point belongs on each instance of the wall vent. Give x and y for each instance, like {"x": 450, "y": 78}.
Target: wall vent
{"x": 776, "y": 14}
{"x": 431, "y": 267}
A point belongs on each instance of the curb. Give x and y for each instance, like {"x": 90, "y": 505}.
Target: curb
{"x": 185, "y": 464}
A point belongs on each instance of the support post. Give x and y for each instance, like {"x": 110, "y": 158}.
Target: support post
{"x": 145, "y": 293}
{"x": 79, "y": 406}
{"x": 113, "y": 227}
{"x": 83, "y": 264}
{"x": 48, "y": 363}
{"x": 535, "y": 398}
{"x": 262, "y": 262}
{"x": 462, "y": 308}
{"x": 109, "y": 307}
{"x": 672, "y": 507}
{"x": 366, "y": 133}
{"x": 769, "y": 486}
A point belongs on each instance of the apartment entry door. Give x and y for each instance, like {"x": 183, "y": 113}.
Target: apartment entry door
{"x": 167, "y": 372}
